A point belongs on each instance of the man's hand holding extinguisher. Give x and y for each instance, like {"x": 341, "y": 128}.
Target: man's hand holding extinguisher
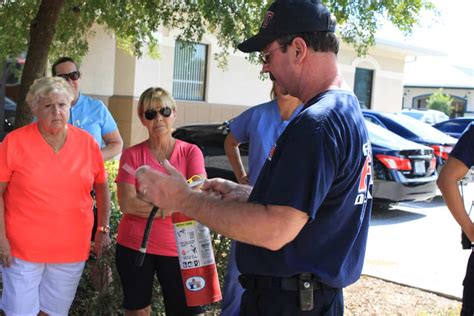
{"x": 193, "y": 240}
{"x": 169, "y": 191}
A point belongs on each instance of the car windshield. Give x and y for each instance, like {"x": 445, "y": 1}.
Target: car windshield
{"x": 419, "y": 128}
{"x": 456, "y": 126}
{"x": 9, "y": 103}
{"x": 416, "y": 115}
{"x": 385, "y": 138}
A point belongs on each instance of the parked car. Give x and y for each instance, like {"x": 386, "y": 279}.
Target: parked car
{"x": 403, "y": 170}
{"x": 416, "y": 131}
{"x": 427, "y": 116}
{"x": 10, "y": 110}
{"x": 454, "y": 127}
{"x": 210, "y": 139}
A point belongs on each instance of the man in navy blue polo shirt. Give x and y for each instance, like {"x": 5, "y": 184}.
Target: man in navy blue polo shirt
{"x": 461, "y": 159}
{"x": 302, "y": 231}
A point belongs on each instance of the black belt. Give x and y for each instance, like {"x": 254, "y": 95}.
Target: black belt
{"x": 252, "y": 282}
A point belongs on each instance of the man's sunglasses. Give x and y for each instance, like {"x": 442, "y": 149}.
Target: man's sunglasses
{"x": 265, "y": 56}
{"x": 75, "y": 75}
{"x": 150, "y": 114}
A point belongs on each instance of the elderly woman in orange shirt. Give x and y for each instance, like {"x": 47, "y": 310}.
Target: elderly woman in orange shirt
{"x": 47, "y": 170}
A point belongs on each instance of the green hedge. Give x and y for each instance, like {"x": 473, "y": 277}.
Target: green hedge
{"x": 90, "y": 300}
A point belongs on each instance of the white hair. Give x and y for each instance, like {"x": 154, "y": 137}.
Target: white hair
{"x": 46, "y": 86}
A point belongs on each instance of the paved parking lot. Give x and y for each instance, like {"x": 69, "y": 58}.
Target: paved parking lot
{"x": 418, "y": 244}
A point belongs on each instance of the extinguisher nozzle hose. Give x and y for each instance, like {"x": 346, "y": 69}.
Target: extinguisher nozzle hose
{"x": 139, "y": 259}
{"x": 146, "y": 234}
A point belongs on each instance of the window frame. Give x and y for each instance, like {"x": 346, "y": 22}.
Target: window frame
{"x": 357, "y": 84}
{"x": 185, "y": 93}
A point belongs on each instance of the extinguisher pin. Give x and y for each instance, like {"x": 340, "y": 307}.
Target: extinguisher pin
{"x": 196, "y": 183}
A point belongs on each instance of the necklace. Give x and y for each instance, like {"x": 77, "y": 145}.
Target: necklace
{"x": 160, "y": 152}
{"x": 55, "y": 141}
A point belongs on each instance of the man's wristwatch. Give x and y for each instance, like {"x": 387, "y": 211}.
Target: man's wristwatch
{"x": 103, "y": 229}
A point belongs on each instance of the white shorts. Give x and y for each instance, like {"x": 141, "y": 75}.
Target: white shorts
{"x": 29, "y": 287}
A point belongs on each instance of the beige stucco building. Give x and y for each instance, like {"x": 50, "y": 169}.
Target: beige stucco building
{"x": 426, "y": 75}
{"x": 206, "y": 93}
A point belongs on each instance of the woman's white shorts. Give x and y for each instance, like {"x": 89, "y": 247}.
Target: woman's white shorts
{"x": 29, "y": 287}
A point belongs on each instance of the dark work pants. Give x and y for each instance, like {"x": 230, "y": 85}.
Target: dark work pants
{"x": 468, "y": 292}
{"x": 276, "y": 302}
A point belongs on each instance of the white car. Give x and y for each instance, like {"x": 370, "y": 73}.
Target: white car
{"x": 428, "y": 116}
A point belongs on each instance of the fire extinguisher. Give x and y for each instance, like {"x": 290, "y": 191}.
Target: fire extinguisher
{"x": 196, "y": 259}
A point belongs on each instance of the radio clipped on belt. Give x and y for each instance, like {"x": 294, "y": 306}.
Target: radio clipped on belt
{"x": 305, "y": 284}
{"x": 305, "y": 291}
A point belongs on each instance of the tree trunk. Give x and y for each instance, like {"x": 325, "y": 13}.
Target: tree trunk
{"x": 42, "y": 31}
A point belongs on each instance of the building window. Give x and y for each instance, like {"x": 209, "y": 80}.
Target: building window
{"x": 363, "y": 87}
{"x": 189, "y": 75}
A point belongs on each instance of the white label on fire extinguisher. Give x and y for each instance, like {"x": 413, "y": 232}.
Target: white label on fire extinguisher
{"x": 194, "y": 244}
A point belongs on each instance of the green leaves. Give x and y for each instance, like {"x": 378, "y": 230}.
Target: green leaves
{"x": 440, "y": 101}
{"x": 359, "y": 20}
{"x": 136, "y": 23}
{"x": 15, "y": 19}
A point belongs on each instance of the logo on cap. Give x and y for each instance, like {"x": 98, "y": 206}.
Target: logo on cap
{"x": 267, "y": 19}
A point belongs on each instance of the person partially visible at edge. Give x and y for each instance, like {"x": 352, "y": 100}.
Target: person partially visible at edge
{"x": 302, "y": 231}
{"x": 460, "y": 160}
{"x": 260, "y": 126}
{"x": 88, "y": 113}
{"x": 157, "y": 112}
{"x": 47, "y": 169}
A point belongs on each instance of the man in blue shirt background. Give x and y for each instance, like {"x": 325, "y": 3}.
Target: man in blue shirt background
{"x": 88, "y": 113}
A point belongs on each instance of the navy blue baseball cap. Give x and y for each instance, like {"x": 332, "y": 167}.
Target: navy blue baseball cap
{"x": 288, "y": 17}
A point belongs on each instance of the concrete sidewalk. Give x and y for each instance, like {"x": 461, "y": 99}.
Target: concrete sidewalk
{"x": 418, "y": 244}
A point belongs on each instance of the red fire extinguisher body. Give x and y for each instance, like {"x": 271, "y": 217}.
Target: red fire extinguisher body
{"x": 196, "y": 259}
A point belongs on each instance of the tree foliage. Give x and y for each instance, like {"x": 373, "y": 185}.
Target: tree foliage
{"x": 359, "y": 19}
{"x": 440, "y": 101}
{"x": 135, "y": 24}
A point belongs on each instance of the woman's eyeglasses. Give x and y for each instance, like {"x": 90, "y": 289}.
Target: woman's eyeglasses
{"x": 75, "y": 75}
{"x": 150, "y": 114}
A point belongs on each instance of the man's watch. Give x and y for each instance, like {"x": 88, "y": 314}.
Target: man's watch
{"x": 103, "y": 229}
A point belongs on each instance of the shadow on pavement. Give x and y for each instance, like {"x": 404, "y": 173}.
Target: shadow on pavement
{"x": 398, "y": 213}
{"x": 392, "y": 216}
{"x": 437, "y": 201}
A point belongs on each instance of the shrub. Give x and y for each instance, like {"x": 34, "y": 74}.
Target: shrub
{"x": 440, "y": 101}
{"x": 108, "y": 301}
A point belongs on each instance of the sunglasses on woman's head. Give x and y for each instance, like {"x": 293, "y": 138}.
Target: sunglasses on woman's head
{"x": 75, "y": 75}
{"x": 150, "y": 114}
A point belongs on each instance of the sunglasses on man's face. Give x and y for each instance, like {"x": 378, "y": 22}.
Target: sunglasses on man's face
{"x": 75, "y": 75}
{"x": 150, "y": 114}
{"x": 265, "y": 56}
